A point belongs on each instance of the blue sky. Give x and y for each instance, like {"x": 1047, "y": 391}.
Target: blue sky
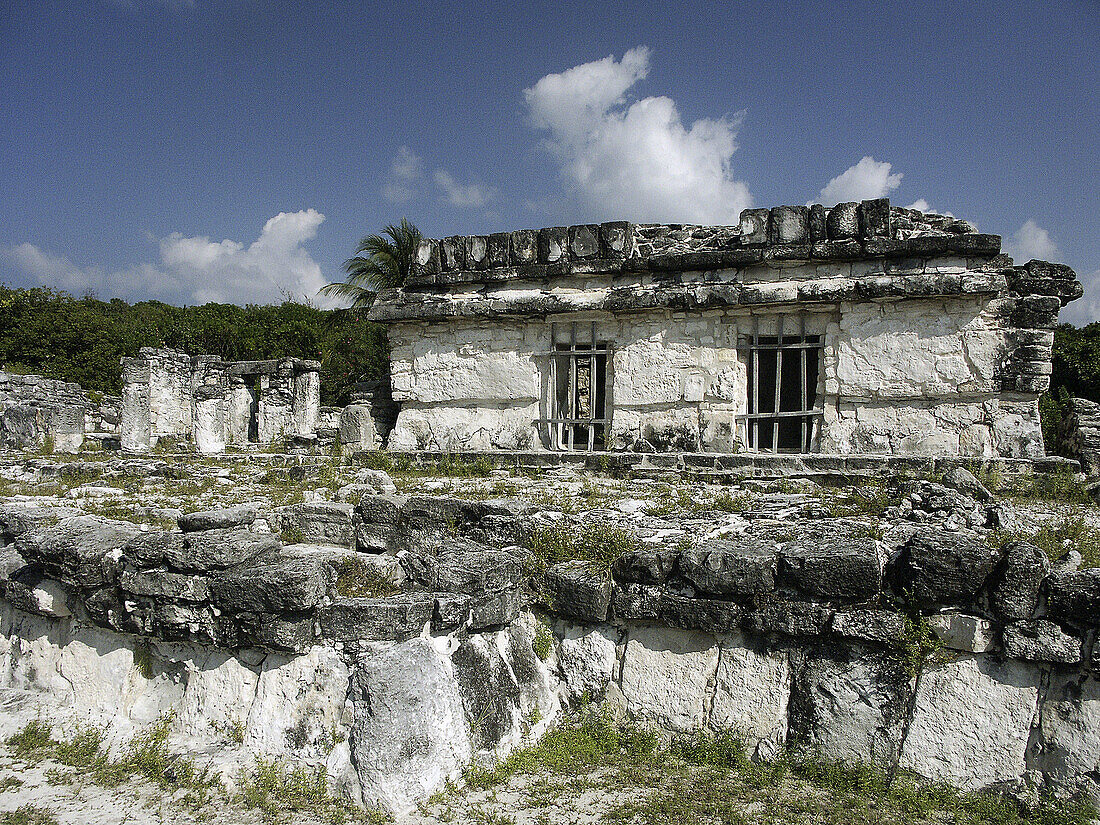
{"x": 193, "y": 150}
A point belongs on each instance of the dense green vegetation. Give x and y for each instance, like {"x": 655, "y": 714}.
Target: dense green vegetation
{"x": 82, "y": 339}
{"x": 1075, "y": 374}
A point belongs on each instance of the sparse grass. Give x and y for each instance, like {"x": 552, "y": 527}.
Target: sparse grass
{"x": 598, "y": 544}
{"x": 543, "y": 642}
{"x": 872, "y": 499}
{"x": 357, "y": 579}
{"x": 28, "y": 815}
{"x": 9, "y": 783}
{"x": 919, "y": 645}
{"x": 1064, "y": 487}
{"x": 1057, "y": 537}
{"x": 292, "y": 534}
{"x": 277, "y": 791}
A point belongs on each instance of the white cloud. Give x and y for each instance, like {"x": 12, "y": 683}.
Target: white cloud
{"x": 406, "y": 177}
{"x": 921, "y": 205}
{"x": 867, "y": 179}
{"x": 1029, "y": 242}
{"x": 1086, "y": 309}
{"x": 460, "y": 194}
{"x": 636, "y": 161}
{"x": 194, "y": 270}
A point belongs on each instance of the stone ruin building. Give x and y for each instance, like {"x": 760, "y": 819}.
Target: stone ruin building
{"x": 170, "y": 394}
{"x": 34, "y": 408}
{"x": 860, "y": 329}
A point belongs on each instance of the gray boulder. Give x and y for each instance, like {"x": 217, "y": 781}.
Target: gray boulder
{"x": 967, "y": 483}
{"x": 1041, "y": 641}
{"x": 322, "y": 522}
{"x": 1074, "y": 596}
{"x": 278, "y": 586}
{"x": 645, "y": 566}
{"x": 466, "y": 567}
{"x": 78, "y": 549}
{"x": 392, "y": 619}
{"x": 202, "y": 552}
{"x": 162, "y": 584}
{"x": 739, "y": 567}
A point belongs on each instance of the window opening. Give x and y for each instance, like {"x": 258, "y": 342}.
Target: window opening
{"x": 578, "y": 403}
{"x": 783, "y": 371}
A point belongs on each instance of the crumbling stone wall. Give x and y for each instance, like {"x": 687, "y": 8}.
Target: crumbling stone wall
{"x": 33, "y": 408}
{"x": 216, "y": 403}
{"x": 933, "y": 343}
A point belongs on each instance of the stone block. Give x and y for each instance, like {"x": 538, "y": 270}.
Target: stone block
{"x": 791, "y": 618}
{"x": 452, "y": 254}
{"x": 616, "y": 239}
{"x": 708, "y": 615}
{"x": 166, "y": 585}
{"x": 842, "y": 222}
{"x": 752, "y": 688}
{"x": 495, "y": 608}
{"x": 524, "y": 247}
{"x": 497, "y": 249}
{"x": 357, "y": 431}
{"x": 1016, "y": 582}
{"x": 584, "y": 241}
{"x": 578, "y": 590}
{"x": 875, "y": 218}
{"x": 789, "y": 225}
{"x": 645, "y": 566}
{"x": 754, "y": 227}
{"x": 242, "y": 515}
{"x": 323, "y": 522}
{"x": 943, "y": 567}
{"x": 392, "y": 619}
{"x": 285, "y": 585}
{"x": 636, "y": 601}
{"x": 1041, "y": 641}
{"x": 665, "y": 676}
{"x": 836, "y": 563}
{"x": 960, "y": 631}
{"x": 870, "y": 625}
{"x": 817, "y": 222}
{"x": 553, "y": 244}
{"x": 477, "y": 252}
{"x": 742, "y": 566}
{"x": 1074, "y": 596}
{"x": 586, "y": 660}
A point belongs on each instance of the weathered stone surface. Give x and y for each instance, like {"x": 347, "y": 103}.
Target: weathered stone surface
{"x": 850, "y": 703}
{"x": 166, "y": 585}
{"x": 204, "y": 551}
{"x": 283, "y": 585}
{"x": 1069, "y": 734}
{"x": 665, "y": 674}
{"x": 737, "y": 567}
{"x": 645, "y": 566}
{"x": 323, "y": 522}
{"x": 391, "y": 619}
{"x": 78, "y": 548}
{"x": 1074, "y": 596}
{"x": 1016, "y": 582}
{"x": 636, "y": 601}
{"x": 466, "y": 567}
{"x": 586, "y": 660}
{"x": 971, "y": 722}
{"x": 708, "y": 615}
{"x": 577, "y": 590}
{"x": 884, "y": 626}
{"x": 752, "y": 688}
{"x": 241, "y": 516}
{"x": 793, "y": 618}
{"x": 410, "y": 733}
{"x": 1041, "y": 641}
{"x": 966, "y": 483}
{"x": 943, "y": 567}
{"x": 495, "y": 608}
{"x": 834, "y": 563}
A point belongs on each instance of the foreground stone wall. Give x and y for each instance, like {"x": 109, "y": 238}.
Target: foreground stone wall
{"x": 933, "y": 343}
{"x": 916, "y": 641}
{"x": 33, "y": 408}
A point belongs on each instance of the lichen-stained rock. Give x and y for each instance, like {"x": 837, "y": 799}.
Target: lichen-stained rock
{"x": 466, "y": 567}
{"x": 396, "y": 618}
{"x": 665, "y": 676}
{"x": 790, "y": 617}
{"x": 753, "y": 686}
{"x": 645, "y": 566}
{"x": 242, "y": 515}
{"x": 962, "y": 631}
{"x": 489, "y": 691}
{"x": 1041, "y": 641}
{"x": 586, "y": 660}
{"x": 495, "y": 607}
{"x": 1074, "y": 596}
{"x": 201, "y": 552}
{"x": 166, "y": 585}
{"x": 78, "y": 549}
{"x": 636, "y": 601}
{"x": 835, "y": 562}
{"x": 708, "y": 615}
{"x": 578, "y": 590}
{"x": 971, "y": 721}
{"x": 850, "y": 703}
{"x": 1068, "y": 750}
{"x": 410, "y": 733}
{"x": 1016, "y": 582}
{"x": 742, "y": 566}
{"x": 285, "y": 585}
{"x": 944, "y": 567}
{"x": 322, "y": 522}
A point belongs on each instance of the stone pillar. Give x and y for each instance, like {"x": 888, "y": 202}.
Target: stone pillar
{"x": 357, "y": 430}
{"x": 306, "y": 394}
{"x": 135, "y": 425}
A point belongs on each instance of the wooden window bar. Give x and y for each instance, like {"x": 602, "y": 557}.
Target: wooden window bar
{"x": 578, "y": 408}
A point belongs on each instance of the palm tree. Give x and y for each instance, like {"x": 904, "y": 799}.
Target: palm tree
{"x": 380, "y": 262}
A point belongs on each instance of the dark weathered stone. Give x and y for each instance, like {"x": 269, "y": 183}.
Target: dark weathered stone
{"x": 392, "y": 619}
{"x": 276, "y": 631}
{"x": 1014, "y": 586}
{"x": 730, "y": 567}
{"x": 477, "y": 252}
{"x": 78, "y": 549}
{"x": 553, "y": 244}
{"x": 754, "y": 227}
{"x": 615, "y": 239}
{"x": 883, "y": 626}
{"x": 584, "y": 241}
{"x": 875, "y": 218}
{"x": 707, "y": 615}
{"x": 276, "y": 586}
{"x": 451, "y": 610}
{"x": 381, "y": 509}
{"x": 240, "y": 516}
{"x": 636, "y": 601}
{"x": 204, "y": 551}
{"x": 1041, "y": 641}
{"x": 817, "y": 223}
{"x": 322, "y": 522}
{"x": 493, "y": 609}
{"x": 839, "y": 562}
{"x": 165, "y": 585}
{"x": 1074, "y": 596}
{"x": 466, "y": 567}
{"x": 793, "y": 618}
{"x": 966, "y": 483}
{"x": 578, "y": 590}
{"x": 645, "y": 566}
{"x": 842, "y": 222}
{"x": 490, "y": 694}
{"x": 942, "y": 567}
{"x": 452, "y": 254}
{"x": 789, "y": 225}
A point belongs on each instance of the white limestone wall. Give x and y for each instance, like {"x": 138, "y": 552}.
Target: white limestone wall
{"x": 914, "y": 377}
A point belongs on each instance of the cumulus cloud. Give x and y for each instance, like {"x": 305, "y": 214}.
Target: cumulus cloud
{"x": 465, "y": 195}
{"x": 1086, "y": 309}
{"x": 867, "y": 179}
{"x": 406, "y": 177}
{"x": 193, "y": 270}
{"x": 636, "y": 160}
{"x": 1030, "y": 241}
